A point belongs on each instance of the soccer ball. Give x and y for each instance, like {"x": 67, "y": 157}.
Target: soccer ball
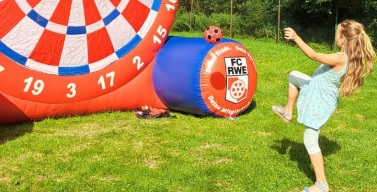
{"x": 213, "y": 34}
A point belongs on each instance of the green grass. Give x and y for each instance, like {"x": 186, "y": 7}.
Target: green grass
{"x": 115, "y": 151}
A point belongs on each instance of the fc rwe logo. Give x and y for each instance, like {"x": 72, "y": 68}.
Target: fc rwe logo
{"x": 237, "y": 79}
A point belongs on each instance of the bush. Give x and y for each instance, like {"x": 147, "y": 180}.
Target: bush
{"x": 182, "y": 21}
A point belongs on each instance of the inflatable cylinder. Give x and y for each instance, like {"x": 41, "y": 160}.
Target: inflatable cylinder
{"x": 193, "y": 76}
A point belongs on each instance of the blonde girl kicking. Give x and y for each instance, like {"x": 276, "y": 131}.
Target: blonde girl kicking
{"x": 340, "y": 73}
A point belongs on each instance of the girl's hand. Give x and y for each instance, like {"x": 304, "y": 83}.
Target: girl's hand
{"x": 289, "y": 34}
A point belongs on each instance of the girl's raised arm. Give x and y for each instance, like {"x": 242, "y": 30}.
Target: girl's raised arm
{"x": 335, "y": 60}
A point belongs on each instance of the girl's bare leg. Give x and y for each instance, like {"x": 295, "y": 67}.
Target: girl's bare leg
{"x": 319, "y": 170}
{"x": 291, "y": 100}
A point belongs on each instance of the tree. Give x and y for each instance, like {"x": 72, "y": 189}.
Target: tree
{"x": 315, "y": 20}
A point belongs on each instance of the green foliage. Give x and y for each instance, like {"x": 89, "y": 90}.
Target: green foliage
{"x": 115, "y": 151}
{"x": 181, "y": 23}
{"x": 198, "y": 21}
{"x": 248, "y": 19}
{"x": 315, "y": 19}
{"x": 251, "y": 18}
{"x": 220, "y": 19}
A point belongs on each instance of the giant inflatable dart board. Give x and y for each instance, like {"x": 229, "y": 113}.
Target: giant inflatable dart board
{"x": 56, "y": 55}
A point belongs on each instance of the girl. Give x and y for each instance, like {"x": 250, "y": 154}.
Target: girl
{"x": 339, "y": 74}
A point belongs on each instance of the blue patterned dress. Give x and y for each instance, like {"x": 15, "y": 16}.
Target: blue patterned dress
{"x": 318, "y": 100}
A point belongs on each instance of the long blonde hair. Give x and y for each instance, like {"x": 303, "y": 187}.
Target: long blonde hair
{"x": 358, "y": 47}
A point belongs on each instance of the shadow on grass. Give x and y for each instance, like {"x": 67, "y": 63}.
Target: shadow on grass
{"x": 11, "y": 132}
{"x": 297, "y": 152}
{"x": 250, "y": 108}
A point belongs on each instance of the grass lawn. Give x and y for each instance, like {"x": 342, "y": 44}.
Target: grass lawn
{"x": 115, "y": 151}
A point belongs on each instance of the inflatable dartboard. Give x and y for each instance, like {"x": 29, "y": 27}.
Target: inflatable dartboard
{"x": 193, "y": 76}
{"x": 59, "y": 55}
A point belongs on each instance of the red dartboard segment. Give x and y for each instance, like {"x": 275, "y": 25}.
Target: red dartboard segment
{"x": 52, "y": 47}
{"x": 106, "y": 45}
{"x": 34, "y": 3}
{"x": 130, "y": 13}
{"x": 9, "y": 21}
{"x": 62, "y": 17}
{"x": 27, "y": 78}
{"x": 115, "y": 2}
{"x": 92, "y": 14}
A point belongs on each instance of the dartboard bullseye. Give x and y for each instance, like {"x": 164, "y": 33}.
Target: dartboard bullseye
{"x": 69, "y": 51}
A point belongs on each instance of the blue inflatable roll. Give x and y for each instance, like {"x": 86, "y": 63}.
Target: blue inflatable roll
{"x": 193, "y": 76}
